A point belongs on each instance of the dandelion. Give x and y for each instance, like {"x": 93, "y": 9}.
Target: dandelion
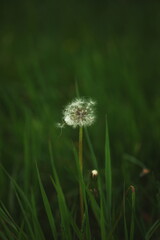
{"x": 79, "y": 113}
{"x": 94, "y": 173}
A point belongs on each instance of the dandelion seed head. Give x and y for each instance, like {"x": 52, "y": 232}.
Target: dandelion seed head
{"x": 94, "y": 173}
{"x": 80, "y": 113}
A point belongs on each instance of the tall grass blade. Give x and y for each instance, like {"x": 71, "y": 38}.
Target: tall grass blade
{"x": 102, "y": 208}
{"x": 102, "y": 219}
{"x": 152, "y": 230}
{"x": 47, "y": 207}
{"x": 25, "y": 214}
{"x": 7, "y": 225}
{"x": 132, "y": 213}
{"x": 21, "y": 235}
{"x": 85, "y": 223}
{"x": 37, "y": 228}
{"x": 124, "y": 215}
{"x": 8, "y": 233}
{"x": 94, "y": 205}
{"x": 25, "y": 203}
{"x": 66, "y": 217}
{"x": 27, "y": 162}
{"x": 108, "y": 176}
{"x": 93, "y": 156}
{"x": 7, "y": 217}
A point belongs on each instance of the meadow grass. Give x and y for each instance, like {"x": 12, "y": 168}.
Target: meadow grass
{"x": 99, "y": 222}
{"x": 112, "y": 52}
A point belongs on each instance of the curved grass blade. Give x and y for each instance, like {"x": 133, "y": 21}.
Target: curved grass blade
{"x": 152, "y": 230}
{"x": 26, "y": 218}
{"x": 7, "y": 218}
{"x": 37, "y": 228}
{"x": 25, "y": 204}
{"x": 47, "y": 207}
{"x": 61, "y": 200}
{"x": 134, "y": 160}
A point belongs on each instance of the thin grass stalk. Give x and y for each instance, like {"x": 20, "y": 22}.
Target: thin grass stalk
{"x": 108, "y": 176}
{"x": 26, "y": 218}
{"x": 152, "y": 230}
{"x": 133, "y": 213}
{"x": 81, "y": 170}
{"x": 47, "y": 206}
{"x": 26, "y": 156}
{"x": 85, "y": 224}
{"x": 124, "y": 214}
{"x": 102, "y": 209}
{"x": 66, "y": 217}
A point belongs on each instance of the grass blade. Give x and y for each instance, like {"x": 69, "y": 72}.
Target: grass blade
{"x": 93, "y": 156}
{"x": 108, "y": 176}
{"x": 152, "y": 230}
{"x": 124, "y": 215}
{"x": 102, "y": 208}
{"x": 25, "y": 214}
{"x": 134, "y": 160}
{"x": 37, "y": 228}
{"x": 133, "y": 213}
{"x": 86, "y": 223}
{"x": 47, "y": 207}
{"x": 65, "y": 215}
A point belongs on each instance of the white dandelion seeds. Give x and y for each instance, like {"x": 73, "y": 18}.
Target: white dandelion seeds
{"x": 79, "y": 112}
{"x": 94, "y": 173}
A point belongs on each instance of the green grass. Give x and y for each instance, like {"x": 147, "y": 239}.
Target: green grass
{"x": 50, "y": 53}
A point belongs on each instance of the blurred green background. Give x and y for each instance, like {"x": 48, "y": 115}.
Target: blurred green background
{"x": 111, "y": 49}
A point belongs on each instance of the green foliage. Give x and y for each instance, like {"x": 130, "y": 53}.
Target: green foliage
{"x": 152, "y": 230}
{"x": 50, "y": 53}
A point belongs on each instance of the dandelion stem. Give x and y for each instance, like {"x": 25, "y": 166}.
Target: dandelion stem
{"x": 81, "y": 148}
{"x": 81, "y": 171}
